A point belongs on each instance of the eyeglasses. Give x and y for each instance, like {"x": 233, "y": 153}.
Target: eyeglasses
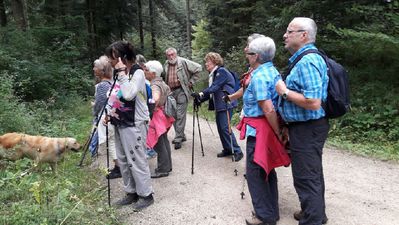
{"x": 293, "y": 31}
{"x": 250, "y": 53}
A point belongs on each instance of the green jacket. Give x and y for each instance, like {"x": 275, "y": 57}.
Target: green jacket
{"x": 187, "y": 72}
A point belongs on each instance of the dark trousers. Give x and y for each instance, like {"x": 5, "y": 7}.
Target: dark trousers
{"x": 164, "y": 154}
{"x": 264, "y": 192}
{"x": 223, "y": 130}
{"x": 306, "y": 144}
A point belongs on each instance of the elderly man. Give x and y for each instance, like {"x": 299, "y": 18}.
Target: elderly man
{"x": 302, "y": 93}
{"x": 181, "y": 75}
{"x": 265, "y": 150}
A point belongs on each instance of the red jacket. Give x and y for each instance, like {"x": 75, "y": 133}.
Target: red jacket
{"x": 269, "y": 153}
{"x": 159, "y": 125}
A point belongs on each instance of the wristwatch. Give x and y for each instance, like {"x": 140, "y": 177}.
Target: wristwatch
{"x": 285, "y": 94}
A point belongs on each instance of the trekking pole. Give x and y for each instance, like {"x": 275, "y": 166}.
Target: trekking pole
{"x": 243, "y": 186}
{"x": 101, "y": 114}
{"x": 86, "y": 148}
{"x": 230, "y": 132}
{"x": 108, "y": 170}
{"x": 199, "y": 131}
{"x": 192, "y": 145}
{"x": 210, "y": 128}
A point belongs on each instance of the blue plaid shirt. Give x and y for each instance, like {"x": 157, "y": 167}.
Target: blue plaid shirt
{"x": 309, "y": 77}
{"x": 261, "y": 87}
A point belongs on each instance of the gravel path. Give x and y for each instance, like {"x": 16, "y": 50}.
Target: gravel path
{"x": 359, "y": 191}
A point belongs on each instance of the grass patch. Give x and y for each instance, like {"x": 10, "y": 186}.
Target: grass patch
{"x": 378, "y": 150}
{"x": 72, "y": 195}
{"x": 69, "y": 196}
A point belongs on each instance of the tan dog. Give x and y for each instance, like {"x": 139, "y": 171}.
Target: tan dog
{"x": 14, "y": 146}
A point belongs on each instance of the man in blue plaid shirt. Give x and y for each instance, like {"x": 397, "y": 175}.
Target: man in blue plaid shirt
{"x": 301, "y": 96}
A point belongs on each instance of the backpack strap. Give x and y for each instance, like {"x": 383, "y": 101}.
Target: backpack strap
{"x": 297, "y": 59}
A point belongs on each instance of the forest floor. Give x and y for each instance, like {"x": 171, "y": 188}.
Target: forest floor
{"x": 359, "y": 190}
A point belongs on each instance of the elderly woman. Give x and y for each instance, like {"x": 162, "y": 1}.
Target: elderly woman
{"x": 220, "y": 82}
{"x": 103, "y": 71}
{"x": 261, "y": 127}
{"x": 157, "y": 137}
{"x": 246, "y": 77}
{"x": 129, "y": 113}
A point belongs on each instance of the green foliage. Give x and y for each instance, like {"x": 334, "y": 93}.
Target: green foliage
{"x": 13, "y": 114}
{"x": 69, "y": 196}
{"x": 45, "y": 65}
{"x": 201, "y": 43}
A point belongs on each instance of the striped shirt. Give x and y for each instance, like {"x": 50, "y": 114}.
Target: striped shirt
{"x": 173, "y": 79}
{"x": 261, "y": 87}
{"x": 100, "y": 96}
{"x": 308, "y": 77}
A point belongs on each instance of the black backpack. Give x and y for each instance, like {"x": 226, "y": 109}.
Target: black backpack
{"x": 338, "y": 102}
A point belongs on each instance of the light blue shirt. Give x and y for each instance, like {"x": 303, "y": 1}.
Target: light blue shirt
{"x": 308, "y": 77}
{"x": 261, "y": 87}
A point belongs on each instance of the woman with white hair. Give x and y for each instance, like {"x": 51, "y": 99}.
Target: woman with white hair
{"x": 160, "y": 124}
{"x": 265, "y": 149}
{"x": 103, "y": 71}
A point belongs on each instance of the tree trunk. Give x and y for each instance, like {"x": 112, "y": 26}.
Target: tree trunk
{"x": 91, "y": 28}
{"x": 188, "y": 29}
{"x": 152, "y": 27}
{"x": 3, "y": 16}
{"x": 141, "y": 29}
{"x": 20, "y": 15}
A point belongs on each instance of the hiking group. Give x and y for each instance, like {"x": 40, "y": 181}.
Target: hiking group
{"x": 283, "y": 117}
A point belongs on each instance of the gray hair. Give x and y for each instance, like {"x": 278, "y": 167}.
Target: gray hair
{"x": 140, "y": 59}
{"x": 170, "y": 49}
{"x": 265, "y": 47}
{"x": 154, "y": 67}
{"x": 253, "y": 37}
{"x": 103, "y": 64}
{"x": 307, "y": 24}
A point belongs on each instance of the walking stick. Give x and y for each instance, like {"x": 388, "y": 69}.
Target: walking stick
{"x": 243, "y": 186}
{"x": 199, "y": 131}
{"x": 86, "y": 148}
{"x": 192, "y": 145}
{"x": 108, "y": 170}
{"x": 95, "y": 127}
{"x": 230, "y": 132}
{"x": 210, "y": 128}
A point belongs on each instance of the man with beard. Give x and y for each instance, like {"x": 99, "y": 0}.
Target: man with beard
{"x": 181, "y": 75}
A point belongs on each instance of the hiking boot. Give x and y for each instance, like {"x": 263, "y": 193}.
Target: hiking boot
{"x": 128, "y": 199}
{"x": 114, "y": 173}
{"x": 224, "y": 154}
{"x": 157, "y": 170}
{"x": 143, "y": 202}
{"x": 238, "y": 156}
{"x": 298, "y": 216}
{"x": 183, "y": 140}
{"x": 178, "y": 145}
{"x": 254, "y": 220}
{"x": 158, "y": 174}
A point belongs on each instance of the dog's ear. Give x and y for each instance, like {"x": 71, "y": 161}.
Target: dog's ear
{"x": 72, "y": 144}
